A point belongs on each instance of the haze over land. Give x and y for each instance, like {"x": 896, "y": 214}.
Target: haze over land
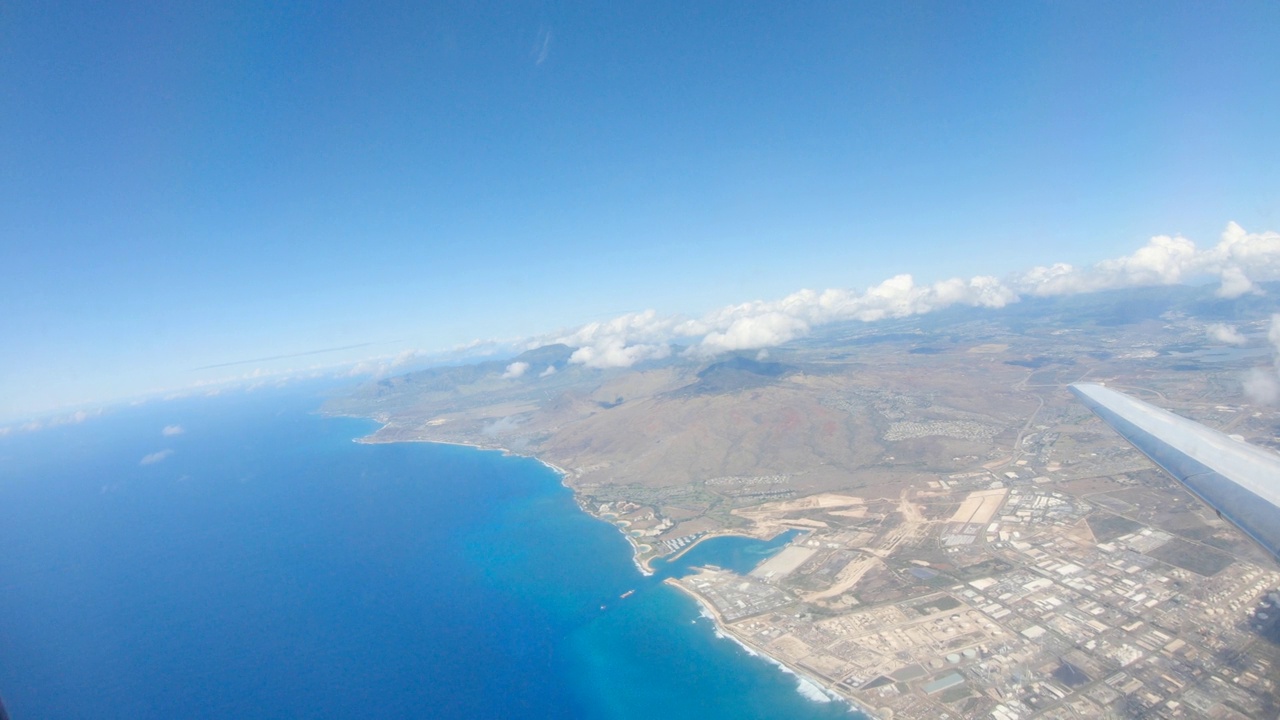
{"x": 1235, "y": 264}
{"x": 198, "y": 194}
{"x": 973, "y": 541}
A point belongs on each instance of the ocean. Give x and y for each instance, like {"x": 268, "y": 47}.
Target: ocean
{"x": 260, "y": 564}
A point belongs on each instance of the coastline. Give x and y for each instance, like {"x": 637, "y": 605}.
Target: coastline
{"x": 804, "y": 676}
{"x": 641, "y": 565}
{"x": 807, "y": 683}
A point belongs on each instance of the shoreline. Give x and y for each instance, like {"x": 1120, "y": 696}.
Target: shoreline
{"x": 646, "y": 570}
{"x": 709, "y": 611}
{"x": 642, "y": 566}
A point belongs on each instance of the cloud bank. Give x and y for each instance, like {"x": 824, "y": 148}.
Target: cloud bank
{"x": 171, "y": 430}
{"x": 1237, "y": 261}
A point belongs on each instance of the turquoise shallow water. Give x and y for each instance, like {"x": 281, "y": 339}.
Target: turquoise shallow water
{"x": 739, "y": 554}
{"x": 262, "y": 565}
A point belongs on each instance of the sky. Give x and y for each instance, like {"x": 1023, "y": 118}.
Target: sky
{"x": 191, "y": 191}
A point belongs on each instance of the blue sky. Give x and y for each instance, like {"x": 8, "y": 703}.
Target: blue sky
{"x": 185, "y": 185}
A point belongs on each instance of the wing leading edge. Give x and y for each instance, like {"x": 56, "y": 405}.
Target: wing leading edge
{"x": 1240, "y": 481}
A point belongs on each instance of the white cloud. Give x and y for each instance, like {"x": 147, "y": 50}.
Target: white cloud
{"x": 379, "y": 366}
{"x": 759, "y": 324}
{"x": 404, "y": 357}
{"x": 171, "y": 430}
{"x": 1237, "y": 261}
{"x": 643, "y": 327}
{"x": 1261, "y": 386}
{"x": 515, "y": 370}
{"x": 1241, "y": 258}
{"x": 613, "y": 352}
{"x": 1234, "y": 283}
{"x": 1164, "y": 260}
{"x": 765, "y": 330}
{"x": 551, "y": 370}
{"x": 1219, "y": 332}
{"x": 624, "y": 340}
{"x": 409, "y": 360}
{"x": 35, "y": 425}
{"x": 155, "y": 457}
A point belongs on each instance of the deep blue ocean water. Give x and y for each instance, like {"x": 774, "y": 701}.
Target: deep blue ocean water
{"x": 265, "y": 566}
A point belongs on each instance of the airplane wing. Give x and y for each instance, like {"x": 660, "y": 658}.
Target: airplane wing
{"x": 1239, "y": 480}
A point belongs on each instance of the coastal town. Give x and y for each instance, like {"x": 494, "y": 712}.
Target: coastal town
{"x": 1023, "y": 601}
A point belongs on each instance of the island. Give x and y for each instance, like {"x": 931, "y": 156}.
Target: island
{"x": 972, "y": 542}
